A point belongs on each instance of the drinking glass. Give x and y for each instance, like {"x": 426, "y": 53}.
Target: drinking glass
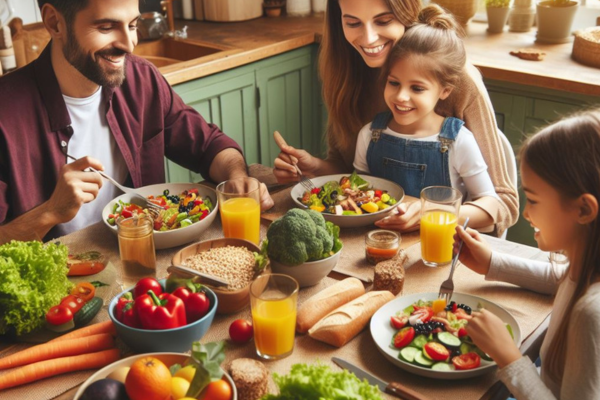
{"x": 239, "y": 203}
{"x": 273, "y": 300}
{"x": 439, "y": 216}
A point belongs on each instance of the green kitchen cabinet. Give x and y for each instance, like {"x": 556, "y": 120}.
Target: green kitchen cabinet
{"x": 250, "y": 102}
{"x": 523, "y": 110}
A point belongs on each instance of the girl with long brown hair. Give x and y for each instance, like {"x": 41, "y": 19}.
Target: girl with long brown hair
{"x": 560, "y": 172}
{"x": 357, "y": 38}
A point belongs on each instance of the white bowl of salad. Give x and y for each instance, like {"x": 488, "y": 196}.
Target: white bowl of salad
{"x": 411, "y": 332}
{"x": 189, "y": 208}
{"x": 350, "y": 201}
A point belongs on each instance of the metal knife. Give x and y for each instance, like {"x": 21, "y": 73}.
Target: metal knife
{"x": 394, "y": 388}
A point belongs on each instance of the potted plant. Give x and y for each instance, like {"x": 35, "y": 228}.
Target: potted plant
{"x": 497, "y": 14}
{"x": 463, "y": 10}
{"x": 554, "y": 19}
{"x": 273, "y": 7}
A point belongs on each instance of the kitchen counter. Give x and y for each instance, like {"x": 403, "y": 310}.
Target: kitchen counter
{"x": 254, "y": 40}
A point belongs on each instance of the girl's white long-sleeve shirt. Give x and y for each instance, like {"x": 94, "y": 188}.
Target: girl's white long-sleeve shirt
{"x": 581, "y": 380}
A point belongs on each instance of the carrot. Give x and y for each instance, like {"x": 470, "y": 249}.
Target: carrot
{"x": 63, "y": 348}
{"x": 57, "y": 366}
{"x": 84, "y": 268}
{"x": 100, "y": 327}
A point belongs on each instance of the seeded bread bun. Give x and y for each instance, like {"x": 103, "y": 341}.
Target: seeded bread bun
{"x": 389, "y": 274}
{"x": 250, "y": 377}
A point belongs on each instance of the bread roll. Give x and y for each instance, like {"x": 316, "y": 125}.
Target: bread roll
{"x": 251, "y": 378}
{"x": 341, "y": 325}
{"x": 389, "y": 274}
{"x": 327, "y": 300}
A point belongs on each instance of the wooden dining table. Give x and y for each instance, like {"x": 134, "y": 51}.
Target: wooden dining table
{"x": 530, "y": 309}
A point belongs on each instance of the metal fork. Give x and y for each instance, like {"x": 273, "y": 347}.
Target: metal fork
{"x": 447, "y": 288}
{"x": 152, "y": 206}
{"x": 304, "y": 180}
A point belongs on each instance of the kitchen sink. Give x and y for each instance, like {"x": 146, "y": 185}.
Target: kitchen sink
{"x": 168, "y": 51}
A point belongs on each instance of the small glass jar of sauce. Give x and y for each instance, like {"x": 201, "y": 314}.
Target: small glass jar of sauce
{"x": 136, "y": 242}
{"x": 381, "y": 245}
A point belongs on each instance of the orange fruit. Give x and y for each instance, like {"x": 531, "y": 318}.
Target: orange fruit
{"x": 148, "y": 379}
{"x": 217, "y": 390}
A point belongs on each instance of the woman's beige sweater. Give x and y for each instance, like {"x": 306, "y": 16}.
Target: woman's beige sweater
{"x": 471, "y": 103}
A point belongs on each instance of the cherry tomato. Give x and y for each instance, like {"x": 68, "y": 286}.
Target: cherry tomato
{"x": 218, "y": 390}
{"x": 84, "y": 290}
{"x": 462, "y": 332}
{"x": 73, "y": 303}
{"x": 436, "y": 351}
{"x": 466, "y": 361}
{"x": 146, "y": 284}
{"x": 404, "y": 337}
{"x": 241, "y": 331}
{"x": 398, "y": 322}
{"x": 59, "y": 315}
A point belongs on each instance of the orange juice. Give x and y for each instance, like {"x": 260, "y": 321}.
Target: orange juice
{"x": 240, "y": 217}
{"x": 274, "y": 325}
{"x": 437, "y": 237}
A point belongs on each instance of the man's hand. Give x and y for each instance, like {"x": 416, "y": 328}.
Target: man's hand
{"x": 75, "y": 187}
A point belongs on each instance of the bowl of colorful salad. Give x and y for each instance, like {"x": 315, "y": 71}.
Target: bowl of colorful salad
{"x": 188, "y": 209}
{"x": 350, "y": 201}
{"x": 426, "y": 336}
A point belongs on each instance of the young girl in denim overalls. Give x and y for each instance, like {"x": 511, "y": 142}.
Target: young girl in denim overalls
{"x": 411, "y": 144}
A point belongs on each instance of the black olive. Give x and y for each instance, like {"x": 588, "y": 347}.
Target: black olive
{"x": 166, "y": 192}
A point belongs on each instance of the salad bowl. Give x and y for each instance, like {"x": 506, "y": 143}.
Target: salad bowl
{"x": 178, "y": 236}
{"x": 383, "y": 333}
{"x": 354, "y": 221}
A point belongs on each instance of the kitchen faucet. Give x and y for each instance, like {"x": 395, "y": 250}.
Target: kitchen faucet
{"x": 167, "y": 7}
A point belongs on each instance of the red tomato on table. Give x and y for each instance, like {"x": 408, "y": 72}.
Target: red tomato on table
{"x": 59, "y": 315}
{"x": 241, "y": 331}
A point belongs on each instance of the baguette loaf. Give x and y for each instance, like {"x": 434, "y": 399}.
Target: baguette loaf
{"x": 327, "y": 300}
{"x": 341, "y": 325}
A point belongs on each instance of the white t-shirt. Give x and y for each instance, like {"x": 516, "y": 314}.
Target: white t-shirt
{"x": 92, "y": 137}
{"x": 468, "y": 170}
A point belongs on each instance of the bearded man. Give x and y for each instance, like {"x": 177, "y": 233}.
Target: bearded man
{"x": 88, "y": 97}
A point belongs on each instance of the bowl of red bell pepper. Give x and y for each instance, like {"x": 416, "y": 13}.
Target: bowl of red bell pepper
{"x": 149, "y": 319}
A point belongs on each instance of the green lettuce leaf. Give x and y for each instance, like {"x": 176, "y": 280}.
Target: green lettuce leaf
{"x": 33, "y": 278}
{"x": 318, "y": 382}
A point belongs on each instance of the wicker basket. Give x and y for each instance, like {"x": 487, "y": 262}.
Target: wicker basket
{"x": 586, "y": 46}
{"x": 463, "y": 10}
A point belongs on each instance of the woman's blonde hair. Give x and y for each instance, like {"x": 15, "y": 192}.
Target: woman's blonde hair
{"x": 566, "y": 155}
{"x": 436, "y": 42}
{"x": 350, "y": 90}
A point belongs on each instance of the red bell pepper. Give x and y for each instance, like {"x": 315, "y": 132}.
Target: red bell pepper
{"x": 196, "y": 304}
{"x": 145, "y": 284}
{"x": 160, "y": 312}
{"x": 126, "y": 313}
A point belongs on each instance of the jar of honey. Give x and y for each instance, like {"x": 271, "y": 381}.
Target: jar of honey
{"x": 136, "y": 243}
{"x": 381, "y": 245}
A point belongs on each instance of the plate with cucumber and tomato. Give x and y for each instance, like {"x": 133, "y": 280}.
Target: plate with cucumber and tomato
{"x": 427, "y": 336}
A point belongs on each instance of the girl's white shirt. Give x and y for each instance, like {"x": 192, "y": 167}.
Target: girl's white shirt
{"x": 468, "y": 170}
{"x": 582, "y": 365}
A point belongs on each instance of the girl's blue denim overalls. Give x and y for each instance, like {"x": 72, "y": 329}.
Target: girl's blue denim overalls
{"x": 412, "y": 164}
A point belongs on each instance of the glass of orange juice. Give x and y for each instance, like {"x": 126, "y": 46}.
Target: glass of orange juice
{"x": 439, "y": 216}
{"x": 239, "y": 204}
{"x": 273, "y": 299}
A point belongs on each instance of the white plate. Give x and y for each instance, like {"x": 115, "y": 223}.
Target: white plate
{"x": 177, "y": 237}
{"x": 167, "y": 358}
{"x": 354, "y": 221}
{"x": 382, "y": 333}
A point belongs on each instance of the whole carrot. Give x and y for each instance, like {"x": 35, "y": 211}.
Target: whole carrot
{"x": 63, "y": 348}
{"x": 45, "y": 369}
{"x": 100, "y": 327}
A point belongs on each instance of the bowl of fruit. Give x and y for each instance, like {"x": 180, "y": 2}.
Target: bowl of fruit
{"x": 157, "y": 376}
{"x": 147, "y": 318}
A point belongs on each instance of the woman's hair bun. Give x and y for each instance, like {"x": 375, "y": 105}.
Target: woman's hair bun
{"x": 436, "y": 17}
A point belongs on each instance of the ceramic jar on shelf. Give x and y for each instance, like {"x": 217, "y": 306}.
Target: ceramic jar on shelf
{"x": 521, "y": 17}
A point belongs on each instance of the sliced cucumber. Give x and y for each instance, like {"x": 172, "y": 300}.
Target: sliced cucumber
{"x": 448, "y": 339}
{"x": 482, "y": 354}
{"x": 465, "y": 348}
{"x": 419, "y": 341}
{"x": 442, "y": 366}
{"x": 421, "y": 360}
{"x": 408, "y": 354}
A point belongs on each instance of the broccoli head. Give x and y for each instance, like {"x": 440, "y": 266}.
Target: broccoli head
{"x": 299, "y": 236}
